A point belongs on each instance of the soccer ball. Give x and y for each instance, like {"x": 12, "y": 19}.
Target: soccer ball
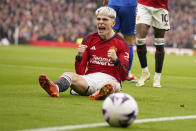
{"x": 119, "y": 110}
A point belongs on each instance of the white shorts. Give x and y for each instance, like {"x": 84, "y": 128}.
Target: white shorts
{"x": 97, "y": 80}
{"x": 156, "y": 17}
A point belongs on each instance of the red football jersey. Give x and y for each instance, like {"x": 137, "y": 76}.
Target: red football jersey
{"x": 155, "y": 3}
{"x": 96, "y": 60}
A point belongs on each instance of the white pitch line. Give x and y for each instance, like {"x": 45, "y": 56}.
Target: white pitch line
{"x": 165, "y": 119}
{"x": 73, "y": 127}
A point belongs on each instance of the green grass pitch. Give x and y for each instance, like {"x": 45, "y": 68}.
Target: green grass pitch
{"x": 24, "y": 105}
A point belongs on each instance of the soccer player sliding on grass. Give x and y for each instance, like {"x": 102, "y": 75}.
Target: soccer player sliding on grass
{"x": 101, "y": 62}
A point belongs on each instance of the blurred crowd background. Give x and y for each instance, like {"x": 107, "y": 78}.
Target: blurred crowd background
{"x": 68, "y": 20}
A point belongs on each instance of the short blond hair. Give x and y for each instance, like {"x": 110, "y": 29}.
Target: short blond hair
{"x": 105, "y": 10}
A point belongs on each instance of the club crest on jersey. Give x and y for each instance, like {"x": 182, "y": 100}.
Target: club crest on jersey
{"x": 114, "y": 48}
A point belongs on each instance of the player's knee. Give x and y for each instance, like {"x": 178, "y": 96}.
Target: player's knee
{"x": 159, "y": 33}
{"x": 159, "y": 41}
{"x": 70, "y": 75}
{"x": 140, "y": 41}
{"x": 130, "y": 39}
{"x": 141, "y": 30}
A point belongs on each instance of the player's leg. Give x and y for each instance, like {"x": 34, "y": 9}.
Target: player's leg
{"x": 100, "y": 85}
{"x": 127, "y": 28}
{"x": 161, "y": 24}
{"x": 106, "y": 89}
{"x": 142, "y": 30}
{"x": 78, "y": 84}
{"x": 116, "y": 27}
{"x": 159, "y": 55}
{"x": 68, "y": 79}
{"x": 131, "y": 39}
{"x": 143, "y": 22}
{"x": 49, "y": 86}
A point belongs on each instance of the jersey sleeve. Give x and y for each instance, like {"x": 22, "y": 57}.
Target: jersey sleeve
{"x": 123, "y": 65}
{"x": 80, "y": 65}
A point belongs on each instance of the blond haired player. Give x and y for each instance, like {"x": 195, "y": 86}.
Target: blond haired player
{"x": 101, "y": 62}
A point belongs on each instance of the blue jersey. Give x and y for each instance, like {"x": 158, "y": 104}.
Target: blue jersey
{"x": 122, "y": 2}
{"x": 126, "y": 15}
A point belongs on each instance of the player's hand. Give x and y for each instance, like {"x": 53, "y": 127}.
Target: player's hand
{"x": 112, "y": 54}
{"x": 81, "y": 49}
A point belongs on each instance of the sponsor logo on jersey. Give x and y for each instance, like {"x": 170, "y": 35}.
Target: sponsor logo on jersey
{"x": 101, "y": 61}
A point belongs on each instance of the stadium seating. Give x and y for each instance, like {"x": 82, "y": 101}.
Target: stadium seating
{"x": 67, "y": 20}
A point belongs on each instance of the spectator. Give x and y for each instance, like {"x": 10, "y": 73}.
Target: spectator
{"x": 68, "y": 20}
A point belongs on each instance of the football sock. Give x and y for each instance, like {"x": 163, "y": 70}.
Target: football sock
{"x": 130, "y": 57}
{"x": 63, "y": 83}
{"x": 145, "y": 69}
{"x": 157, "y": 75}
{"x": 159, "y": 58}
{"x": 141, "y": 52}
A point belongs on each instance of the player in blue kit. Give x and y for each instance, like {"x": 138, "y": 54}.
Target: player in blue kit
{"x": 125, "y": 24}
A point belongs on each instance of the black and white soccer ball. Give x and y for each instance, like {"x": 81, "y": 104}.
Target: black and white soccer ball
{"x": 119, "y": 110}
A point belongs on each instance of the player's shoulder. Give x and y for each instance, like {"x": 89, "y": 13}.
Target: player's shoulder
{"x": 90, "y": 37}
{"x": 120, "y": 38}
{"x": 121, "y": 41}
